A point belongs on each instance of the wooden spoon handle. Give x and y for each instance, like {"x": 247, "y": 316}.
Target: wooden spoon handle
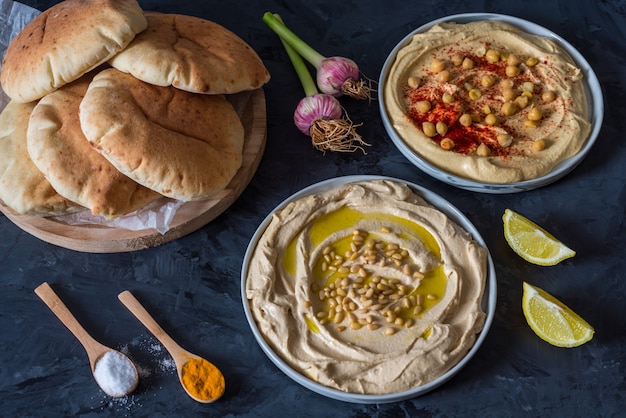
{"x": 93, "y": 347}
{"x": 137, "y": 309}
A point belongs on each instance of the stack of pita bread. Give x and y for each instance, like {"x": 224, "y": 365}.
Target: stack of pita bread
{"x": 113, "y": 108}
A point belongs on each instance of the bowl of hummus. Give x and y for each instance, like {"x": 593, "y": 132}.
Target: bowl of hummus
{"x": 490, "y": 103}
{"x": 368, "y": 289}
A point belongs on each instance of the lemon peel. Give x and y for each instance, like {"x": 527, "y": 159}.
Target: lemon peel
{"x": 552, "y": 320}
{"x": 533, "y": 243}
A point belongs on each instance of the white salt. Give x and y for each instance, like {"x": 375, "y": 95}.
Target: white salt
{"x": 115, "y": 374}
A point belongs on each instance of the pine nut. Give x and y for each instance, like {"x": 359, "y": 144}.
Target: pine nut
{"x": 390, "y": 331}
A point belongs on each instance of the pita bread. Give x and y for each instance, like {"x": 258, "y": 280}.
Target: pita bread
{"x": 59, "y": 149}
{"x": 66, "y": 41}
{"x": 22, "y": 186}
{"x": 192, "y": 54}
{"x": 183, "y": 145}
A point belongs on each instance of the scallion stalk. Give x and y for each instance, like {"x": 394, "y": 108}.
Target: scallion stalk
{"x": 335, "y": 75}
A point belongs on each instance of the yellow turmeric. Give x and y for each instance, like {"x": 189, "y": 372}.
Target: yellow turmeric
{"x": 202, "y": 379}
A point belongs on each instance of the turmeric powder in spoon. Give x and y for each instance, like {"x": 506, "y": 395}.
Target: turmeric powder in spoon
{"x": 202, "y": 379}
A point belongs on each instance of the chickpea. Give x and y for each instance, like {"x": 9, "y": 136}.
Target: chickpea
{"x": 423, "y": 106}
{"x": 467, "y": 64}
{"x": 456, "y": 60}
{"x": 483, "y": 150}
{"x": 443, "y": 76}
{"x": 548, "y": 96}
{"x": 505, "y": 82}
{"x": 437, "y": 65}
{"x": 539, "y": 144}
{"x": 508, "y": 93}
{"x": 535, "y": 114}
{"x": 522, "y": 102}
{"x": 528, "y": 86}
{"x": 447, "y": 98}
{"x": 475, "y": 94}
{"x": 532, "y": 61}
{"x": 492, "y": 56}
{"x": 513, "y": 60}
{"x": 509, "y": 109}
{"x": 504, "y": 140}
{"x": 413, "y": 82}
{"x": 491, "y": 119}
{"x": 441, "y": 128}
{"x": 446, "y": 144}
{"x": 512, "y": 70}
{"x": 486, "y": 109}
{"x": 429, "y": 129}
{"x": 466, "y": 119}
{"x": 530, "y": 123}
{"x": 528, "y": 94}
{"x": 487, "y": 81}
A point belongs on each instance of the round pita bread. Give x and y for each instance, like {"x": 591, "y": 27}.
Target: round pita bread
{"x": 192, "y": 54}
{"x": 183, "y": 145}
{"x": 66, "y": 41}
{"x": 23, "y": 187}
{"x": 59, "y": 149}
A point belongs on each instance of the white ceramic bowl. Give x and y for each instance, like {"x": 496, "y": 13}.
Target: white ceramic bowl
{"x": 488, "y": 301}
{"x": 591, "y": 86}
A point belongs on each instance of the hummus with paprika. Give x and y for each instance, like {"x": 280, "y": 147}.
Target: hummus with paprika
{"x": 367, "y": 288}
{"x": 487, "y": 101}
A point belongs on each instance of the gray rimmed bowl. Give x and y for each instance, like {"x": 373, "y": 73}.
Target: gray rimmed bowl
{"x": 592, "y": 89}
{"x": 488, "y": 300}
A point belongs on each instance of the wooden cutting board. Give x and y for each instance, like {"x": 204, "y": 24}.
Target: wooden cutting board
{"x": 189, "y": 217}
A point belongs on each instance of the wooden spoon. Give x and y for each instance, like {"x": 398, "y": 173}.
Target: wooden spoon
{"x": 94, "y": 349}
{"x": 179, "y": 354}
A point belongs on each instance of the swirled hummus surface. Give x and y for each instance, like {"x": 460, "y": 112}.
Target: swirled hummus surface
{"x": 487, "y": 101}
{"x": 367, "y": 288}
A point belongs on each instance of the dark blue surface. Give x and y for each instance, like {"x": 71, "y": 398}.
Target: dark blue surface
{"x": 192, "y": 285}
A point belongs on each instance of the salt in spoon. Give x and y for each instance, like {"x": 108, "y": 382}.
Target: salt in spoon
{"x": 95, "y": 350}
{"x": 179, "y": 354}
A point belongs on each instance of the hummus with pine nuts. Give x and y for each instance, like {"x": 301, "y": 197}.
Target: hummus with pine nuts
{"x": 367, "y": 288}
{"x": 487, "y": 101}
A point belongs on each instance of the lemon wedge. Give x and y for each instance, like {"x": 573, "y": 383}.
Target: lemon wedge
{"x": 552, "y": 321}
{"x": 533, "y": 243}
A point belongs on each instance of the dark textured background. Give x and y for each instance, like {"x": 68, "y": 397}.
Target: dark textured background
{"x": 192, "y": 285}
